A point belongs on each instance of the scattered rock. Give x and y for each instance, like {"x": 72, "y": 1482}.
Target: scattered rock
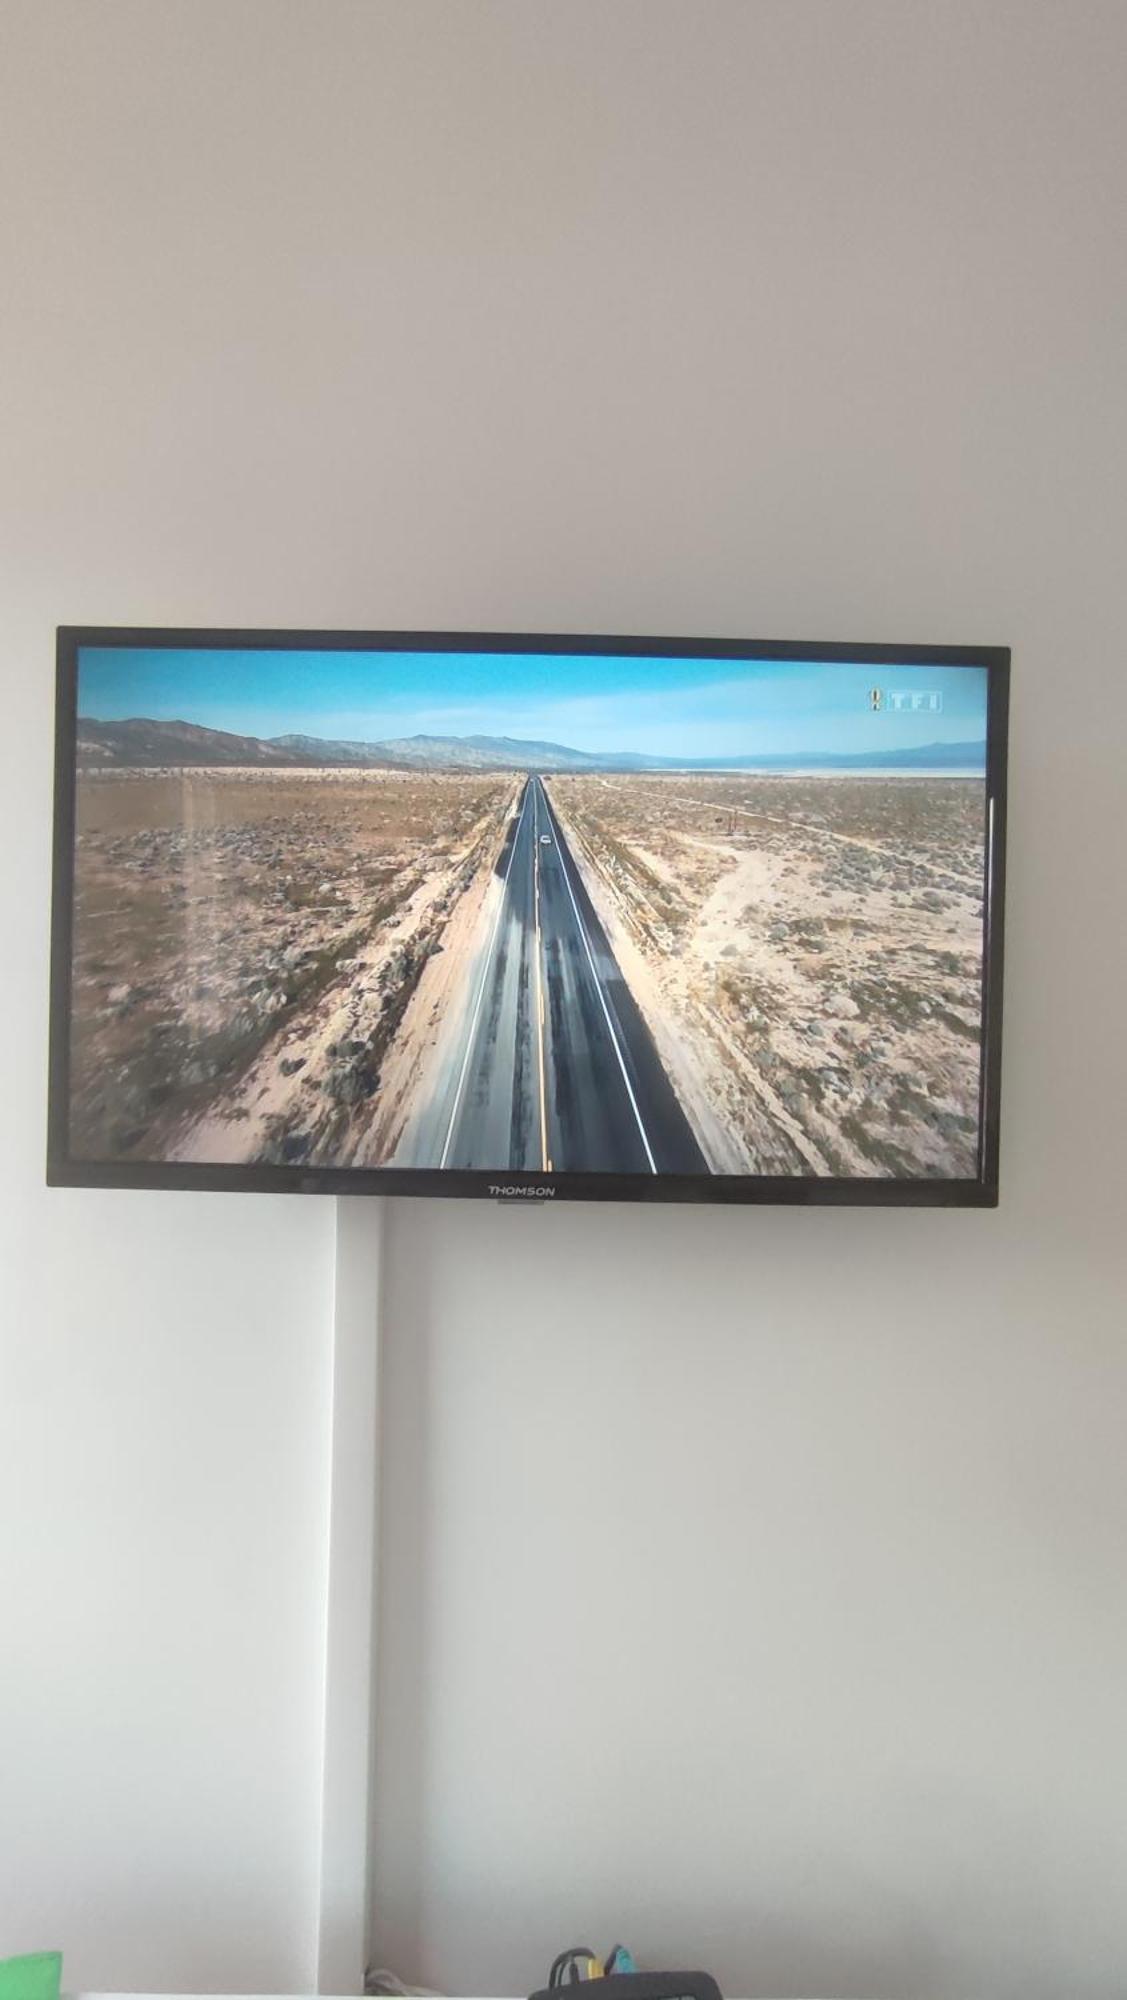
{"x": 352, "y": 1081}
{"x": 952, "y": 1124}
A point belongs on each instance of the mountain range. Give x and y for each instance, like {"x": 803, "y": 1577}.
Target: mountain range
{"x": 468, "y": 753}
{"x": 139, "y": 742}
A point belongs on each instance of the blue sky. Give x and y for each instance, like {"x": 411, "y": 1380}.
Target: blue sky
{"x": 661, "y": 708}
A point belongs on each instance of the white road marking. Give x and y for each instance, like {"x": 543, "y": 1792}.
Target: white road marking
{"x": 481, "y": 982}
{"x": 599, "y": 987}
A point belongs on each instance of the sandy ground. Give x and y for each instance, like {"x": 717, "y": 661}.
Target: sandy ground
{"x": 274, "y": 965}
{"x": 280, "y": 1106}
{"x": 806, "y": 953}
{"x": 248, "y": 949}
{"x": 432, "y": 1032}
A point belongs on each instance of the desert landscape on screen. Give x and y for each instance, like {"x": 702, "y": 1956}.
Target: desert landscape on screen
{"x": 303, "y": 950}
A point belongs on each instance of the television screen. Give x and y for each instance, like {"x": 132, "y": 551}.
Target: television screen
{"x": 526, "y": 916}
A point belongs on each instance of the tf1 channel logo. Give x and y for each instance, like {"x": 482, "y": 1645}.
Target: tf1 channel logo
{"x": 905, "y": 701}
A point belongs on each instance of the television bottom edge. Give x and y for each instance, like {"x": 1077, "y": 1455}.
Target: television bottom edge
{"x": 519, "y": 1190}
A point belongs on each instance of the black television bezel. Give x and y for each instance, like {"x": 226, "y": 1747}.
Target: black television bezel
{"x": 63, "y": 1170}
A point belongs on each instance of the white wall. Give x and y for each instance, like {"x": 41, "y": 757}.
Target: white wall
{"x": 753, "y": 1583}
{"x": 164, "y": 1360}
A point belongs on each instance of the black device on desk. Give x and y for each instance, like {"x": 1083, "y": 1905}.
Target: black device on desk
{"x": 639, "y": 1985}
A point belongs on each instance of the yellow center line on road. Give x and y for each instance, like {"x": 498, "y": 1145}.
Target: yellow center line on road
{"x": 545, "y": 1161}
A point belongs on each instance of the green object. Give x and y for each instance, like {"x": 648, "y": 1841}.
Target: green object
{"x": 36, "y": 1977}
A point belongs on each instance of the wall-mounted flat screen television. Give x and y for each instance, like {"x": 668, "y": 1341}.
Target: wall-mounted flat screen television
{"x": 543, "y": 917}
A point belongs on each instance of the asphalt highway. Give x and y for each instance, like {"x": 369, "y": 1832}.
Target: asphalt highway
{"x": 558, "y": 1071}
